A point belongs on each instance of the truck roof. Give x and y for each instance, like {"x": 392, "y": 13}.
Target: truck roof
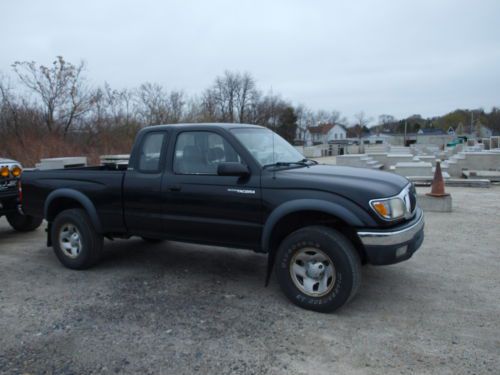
{"x": 207, "y": 125}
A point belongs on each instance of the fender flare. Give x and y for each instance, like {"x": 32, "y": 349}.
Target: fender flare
{"x": 331, "y": 208}
{"x": 77, "y": 196}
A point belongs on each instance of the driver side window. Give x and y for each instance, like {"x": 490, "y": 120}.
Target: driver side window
{"x": 200, "y": 152}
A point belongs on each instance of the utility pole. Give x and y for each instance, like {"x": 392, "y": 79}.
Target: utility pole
{"x": 404, "y": 140}
{"x": 471, "y": 121}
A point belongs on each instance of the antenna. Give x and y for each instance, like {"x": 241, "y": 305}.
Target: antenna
{"x": 274, "y": 161}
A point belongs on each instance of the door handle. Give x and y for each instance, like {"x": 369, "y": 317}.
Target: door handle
{"x": 174, "y": 187}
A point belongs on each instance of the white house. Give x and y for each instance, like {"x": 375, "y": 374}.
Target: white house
{"x": 325, "y": 133}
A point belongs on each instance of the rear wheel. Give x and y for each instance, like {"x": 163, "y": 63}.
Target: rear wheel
{"x": 24, "y": 223}
{"x": 75, "y": 241}
{"x": 318, "y": 268}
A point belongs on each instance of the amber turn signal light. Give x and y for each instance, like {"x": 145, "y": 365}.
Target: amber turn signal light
{"x": 382, "y": 209}
{"x": 16, "y": 171}
{"x": 4, "y": 172}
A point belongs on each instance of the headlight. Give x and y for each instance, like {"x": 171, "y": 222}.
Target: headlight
{"x": 389, "y": 209}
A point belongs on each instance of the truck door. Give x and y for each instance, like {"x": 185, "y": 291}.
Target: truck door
{"x": 203, "y": 206}
{"x": 142, "y": 185}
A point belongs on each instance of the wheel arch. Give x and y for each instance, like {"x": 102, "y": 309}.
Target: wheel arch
{"x": 305, "y": 212}
{"x": 63, "y": 199}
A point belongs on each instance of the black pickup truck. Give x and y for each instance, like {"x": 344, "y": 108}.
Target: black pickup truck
{"x": 239, "y": 186}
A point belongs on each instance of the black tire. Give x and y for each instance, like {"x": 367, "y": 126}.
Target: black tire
{"x": 152, "y": 240}
{"x": 345, "y": 277}
{"x": 91, "y": 242}
{"x": 24, "y": 223}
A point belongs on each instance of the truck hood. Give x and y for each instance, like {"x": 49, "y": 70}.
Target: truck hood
{"x": 357, "y": 184}
{"x": 7, "y": 161}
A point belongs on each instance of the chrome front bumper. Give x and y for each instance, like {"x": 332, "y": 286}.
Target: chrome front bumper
{"x": 393, "y": 236}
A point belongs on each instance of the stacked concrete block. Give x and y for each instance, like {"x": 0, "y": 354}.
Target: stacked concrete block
{"x": 426, "y": 158}
{"x": 486, "y": 143}
{"x": 400, "y": 150}
{"x": 312, "y": 152}
{"x": 114, "y": 160}
{"x": 380, "y": 157}
{"x": 392, "y": 159}
{"x": 478, "y": 161}
{"x": 486, "y": 161}
{"x": 358, "y": 160}
{"x": 494, "y": 142}
{"x": 419, "y": 168}
{"x": 376, "y": 148}
{"x": 61, "y": 163}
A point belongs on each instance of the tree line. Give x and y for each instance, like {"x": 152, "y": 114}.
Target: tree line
{"x": 55, "y": 111}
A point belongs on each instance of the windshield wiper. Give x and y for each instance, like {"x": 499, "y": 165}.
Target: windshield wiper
{"x": 304, "y": 162}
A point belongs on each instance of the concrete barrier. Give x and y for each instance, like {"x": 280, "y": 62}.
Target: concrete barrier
{"x": 434, "y": 204}
{"x": 413, "y": 168}
{"x": 312, "y": 152}
{"x": 486, "y": 160}
{"x": 392, "y": 159}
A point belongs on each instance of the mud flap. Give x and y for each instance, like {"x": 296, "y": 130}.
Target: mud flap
{"x": 49, "y": 231}
{"x": 270, "y": 264}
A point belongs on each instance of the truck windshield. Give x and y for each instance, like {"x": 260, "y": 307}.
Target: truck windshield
{"x": 267, "y": 147}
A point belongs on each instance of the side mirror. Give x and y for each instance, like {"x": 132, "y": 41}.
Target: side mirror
{"x": 232, "y": 169}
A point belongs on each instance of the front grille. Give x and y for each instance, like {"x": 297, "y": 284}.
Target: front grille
{"x": 409, "y": 197}
{"x": 413, "y": 201}
{"x": 8, "y": 185}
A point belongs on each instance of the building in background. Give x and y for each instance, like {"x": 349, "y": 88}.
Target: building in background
{"x": 324, "y": 134}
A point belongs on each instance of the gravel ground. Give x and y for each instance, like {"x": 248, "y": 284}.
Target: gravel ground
{"x": 184, "y": 309}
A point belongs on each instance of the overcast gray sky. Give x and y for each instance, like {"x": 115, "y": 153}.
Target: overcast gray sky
{"x": 395, "y": 57}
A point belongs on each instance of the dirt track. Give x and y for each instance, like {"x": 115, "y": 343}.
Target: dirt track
{"x": 182, "y": 309}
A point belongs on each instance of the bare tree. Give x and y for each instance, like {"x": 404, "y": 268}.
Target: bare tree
{"x": 360, "y": 126}
{"x": 386, "y": 119}
{"x": 231, "y": 98}
{"x": 326, "y": 117}
{"x": 362, "y": 120}
{"x": 60, "y": 88}
{"x": 245, "y": 95}
{"x": 301, "y": 112}
{"x": 156, "y": 106}
{"x": 176, "y": 104}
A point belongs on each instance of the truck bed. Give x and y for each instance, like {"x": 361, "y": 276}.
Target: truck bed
{"x": 103, "y": 185}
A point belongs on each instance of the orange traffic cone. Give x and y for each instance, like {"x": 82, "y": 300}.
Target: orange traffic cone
{"x": 437, "y": 187}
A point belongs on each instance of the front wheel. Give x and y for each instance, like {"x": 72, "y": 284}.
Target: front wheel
{"x": 318, "y": 268}
{"x": 24, "y": 223}
{"x": 75, "y": 241}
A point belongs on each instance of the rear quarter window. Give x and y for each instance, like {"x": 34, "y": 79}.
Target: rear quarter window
{"x": 150, "y": 152}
